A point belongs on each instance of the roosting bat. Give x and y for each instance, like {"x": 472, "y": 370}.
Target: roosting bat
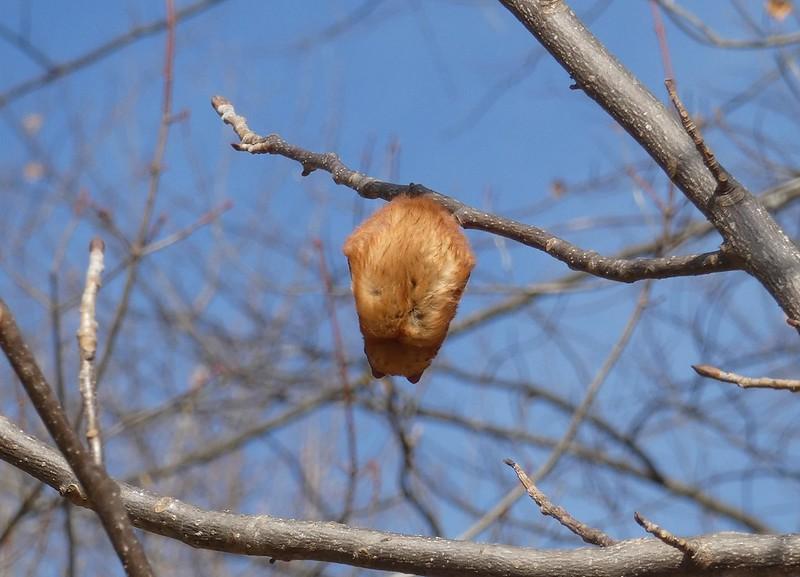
{"x": 409, "y": 264}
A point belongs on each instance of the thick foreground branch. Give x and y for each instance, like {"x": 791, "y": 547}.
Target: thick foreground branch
{"x": 729, "y": 554}
{"x": 752, "y": 237}
{"x": 616, "y": 269}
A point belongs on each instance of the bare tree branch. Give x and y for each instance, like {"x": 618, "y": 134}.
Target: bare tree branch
{"x": 25, "y": 46}
{"x": 752, "y": 238}
{"x": 791, "y": 385}
{"x": 729, "y": 554}
{"x": 87, "y": 347}
{"x": 774, "y": 199}
{"x": 622, "y": 270}
{"x": 102, "y": 492}
{"x": 662, "y": 534}
{"x": 588, "y": 534}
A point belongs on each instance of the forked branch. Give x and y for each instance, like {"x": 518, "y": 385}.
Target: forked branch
{"x": 751, "y": 236}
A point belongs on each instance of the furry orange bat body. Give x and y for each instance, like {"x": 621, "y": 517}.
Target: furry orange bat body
{"x": 409, "y": 264}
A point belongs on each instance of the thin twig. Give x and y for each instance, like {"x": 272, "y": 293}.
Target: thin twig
{"x": 60, "y": 382}
{"x": 621, "y": 270}
{"x": 721, "y": 176}
{"x": 695, "y": 27}
{"x": 665, "y": 536}
{"x": 594, "y": 387}
{"x": 791, "y": 385}
{"x": 337, "y": 28}
{"x": 87, "y": 347}
{"x": 156, "y": 169}
{"x": 645, "y": 186}
{"x": 25, "y": 46}
{"x": 56, "y": 306}
{"x": 71, "y": 570}
{"x": 100, "y": 489}
{"x": 186, "y": 232}
{"x": 588, "y": 534}
{"x": 63, "y": 69}
{"x": 214, "y": 450}
{"x": 27, "y": 504}
{"x": 661, "y": 34}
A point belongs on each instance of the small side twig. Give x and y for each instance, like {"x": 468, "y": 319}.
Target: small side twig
{"x": 661, "y": 35}
{"x": 156, "y": 169}
{"x": 665, "y": 536}
{"x": 724, "y": 185}
{"x": 792, "y": 385}
{"x": 184, "y": 233}
{"x": 588, "y": 534}
{"x": 87, "y": 347}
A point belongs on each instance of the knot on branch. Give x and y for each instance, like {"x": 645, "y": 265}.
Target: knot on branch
{"x": 727, "y": 194}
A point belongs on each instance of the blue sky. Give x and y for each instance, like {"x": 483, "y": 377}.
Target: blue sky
{"x": 415, "y": 75}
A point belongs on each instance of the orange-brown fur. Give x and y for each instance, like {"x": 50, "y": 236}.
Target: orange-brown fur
{"x": 409, "y": 263}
